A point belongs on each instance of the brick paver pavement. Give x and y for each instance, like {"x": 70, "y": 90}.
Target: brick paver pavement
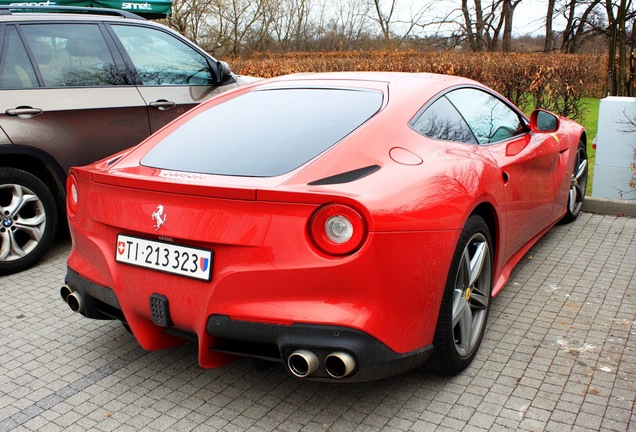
{"x": 558, "y": 356}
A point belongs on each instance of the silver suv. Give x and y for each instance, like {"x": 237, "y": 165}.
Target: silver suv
{"x": 75, "y": 88}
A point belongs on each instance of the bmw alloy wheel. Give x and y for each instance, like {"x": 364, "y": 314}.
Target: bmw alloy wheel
{"x": 27, "y": 220}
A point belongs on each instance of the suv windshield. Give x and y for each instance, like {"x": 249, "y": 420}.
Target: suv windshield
{"x": 264, "y": 133}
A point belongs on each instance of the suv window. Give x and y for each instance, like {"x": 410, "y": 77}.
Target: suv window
{"x": 16, "y": 70}
{"x": 162, "y": 59}
{"x": 71, "y": 56}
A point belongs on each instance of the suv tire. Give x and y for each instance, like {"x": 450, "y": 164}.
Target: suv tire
{"x": 28, "y": 220}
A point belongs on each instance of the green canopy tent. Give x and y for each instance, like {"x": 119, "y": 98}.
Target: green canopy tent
{"x": 151, "y": 9}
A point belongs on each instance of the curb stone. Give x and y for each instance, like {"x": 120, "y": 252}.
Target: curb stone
{"x": 609, "y": 207}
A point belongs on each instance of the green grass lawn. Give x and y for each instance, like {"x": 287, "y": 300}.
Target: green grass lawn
{"x": 590, "y": 122}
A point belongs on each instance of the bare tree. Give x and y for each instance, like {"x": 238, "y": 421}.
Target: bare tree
{"x": 480, "y": 25}
{"x": 474, "y": 28}
{"x": 289, "y": 23}
{"x": 189, "y": 17}
{"x": 618, "y": 13}
{"x": 349, "y": 21}
{"x": 483, "y": 25}
{"x": 580, "y": 22}
{"x": 385, "y": 15}
{"x": 508, "y": 9}
{"x": 549, "y": 36}
{"x": 384, "y": 19}
{"x": 239, "y": 22}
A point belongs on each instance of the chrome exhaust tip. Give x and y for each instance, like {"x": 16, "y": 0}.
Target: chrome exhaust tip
{"x": 65, "y": 291}
{"x": 340, "y": 364}
{"x": 302, "y": 363}
{"x": 75, "y": 302}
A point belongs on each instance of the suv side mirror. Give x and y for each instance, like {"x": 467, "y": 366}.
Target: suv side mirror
{"x": 543, "y": 121}
{"x": 223, "y": 71}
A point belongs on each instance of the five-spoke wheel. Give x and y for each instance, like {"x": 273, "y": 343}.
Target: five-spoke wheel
{"x": 471, "y": 296}
{"x": 578, "y": 184}
{"x": 28, "y": 220}
{"x": 466, "y": 301}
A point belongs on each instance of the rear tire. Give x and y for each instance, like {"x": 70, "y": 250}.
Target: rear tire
{"x": 28, "y": 220}
{"x": 466, "y": 302}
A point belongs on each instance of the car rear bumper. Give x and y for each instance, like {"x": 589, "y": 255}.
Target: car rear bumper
{"x": 226, "y": 338}
{"x": 94, "y": 301}
{"x": 370, "y": 359}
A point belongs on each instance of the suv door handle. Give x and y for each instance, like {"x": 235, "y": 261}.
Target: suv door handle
{"x": 24, "y": 111}
{"x": 162, "y": 104}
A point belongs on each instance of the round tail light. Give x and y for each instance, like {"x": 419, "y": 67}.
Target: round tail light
{"x": 72, "y": 195}
{"x": 337, "y": 229}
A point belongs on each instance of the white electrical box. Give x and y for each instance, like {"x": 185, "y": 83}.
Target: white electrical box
{"x": 615, "y": 143}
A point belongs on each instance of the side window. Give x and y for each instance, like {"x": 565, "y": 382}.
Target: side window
{"x": 442, "y": 121}
{"x": 490, "y": 119}
{"x": 162, "y": 59}
{"x": 71, "y": 55}
{"x": 16, "y": 70}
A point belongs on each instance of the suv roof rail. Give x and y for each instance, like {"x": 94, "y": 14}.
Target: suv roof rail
{"x": 17, "y": 7}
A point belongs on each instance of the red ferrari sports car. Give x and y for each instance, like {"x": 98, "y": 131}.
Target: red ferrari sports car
{"x": 350, "y": 226}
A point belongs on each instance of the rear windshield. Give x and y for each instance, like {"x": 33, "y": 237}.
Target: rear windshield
{"x": 264, "y": 133}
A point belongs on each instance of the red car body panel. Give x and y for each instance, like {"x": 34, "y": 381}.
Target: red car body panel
{"x": 266, "y": 269}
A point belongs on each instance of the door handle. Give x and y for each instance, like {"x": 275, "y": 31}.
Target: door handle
{"x": 23, "y": 112}
{"x": 162, "y": 104}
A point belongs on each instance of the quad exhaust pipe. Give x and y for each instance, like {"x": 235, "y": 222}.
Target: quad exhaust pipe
{"x": 303, "y": 363}
{"x": 65, "y": 291}
{"x": 339, "y": 364}
{"x": 73, "y": 298}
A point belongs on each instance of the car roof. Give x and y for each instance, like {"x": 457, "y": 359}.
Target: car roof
{"x": 66, "y": 13}
{"x": 400, "y": 86}
{"x": 37, "y": 16}
{"x": 366, "y": 78}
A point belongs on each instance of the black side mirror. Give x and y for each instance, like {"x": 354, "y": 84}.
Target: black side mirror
{"x": 223, "y": 71}
{"x": 543, "y": 121}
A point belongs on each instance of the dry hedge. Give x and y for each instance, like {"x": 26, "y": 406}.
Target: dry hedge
{"x": 556, "y": 82}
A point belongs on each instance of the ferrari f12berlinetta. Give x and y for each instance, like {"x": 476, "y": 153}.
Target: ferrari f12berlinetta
{"x": 350, "y": 226}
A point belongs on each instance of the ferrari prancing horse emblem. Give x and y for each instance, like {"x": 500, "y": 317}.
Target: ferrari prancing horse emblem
{"x": 159, "y": 217}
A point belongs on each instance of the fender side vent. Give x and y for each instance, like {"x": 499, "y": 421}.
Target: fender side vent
{"x": 113, "y": 160}
{"x": 346, "y": 177}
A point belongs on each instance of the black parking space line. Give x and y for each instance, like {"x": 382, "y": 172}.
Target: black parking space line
{"x": 69, "y": 390}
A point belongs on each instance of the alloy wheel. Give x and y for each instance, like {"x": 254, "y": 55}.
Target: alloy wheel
{"x": 471, "y": 295}
{"x": 578, "y": 183}
{"x": 23, "y": 221}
